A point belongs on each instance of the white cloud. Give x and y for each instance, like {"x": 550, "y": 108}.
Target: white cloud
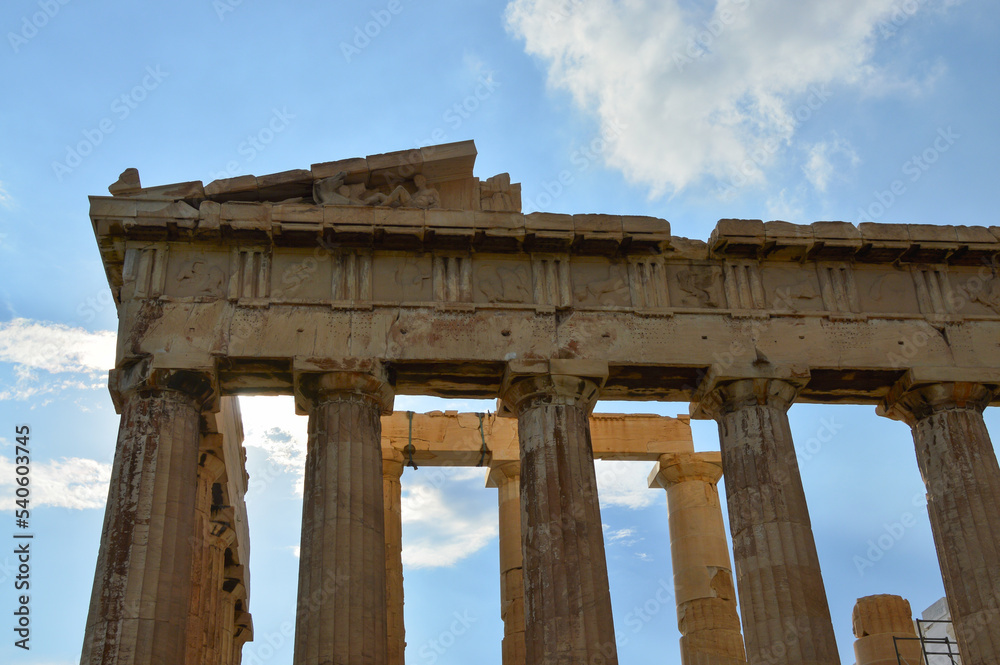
{"x": 55, "y": 347}
{"x": 270, "y": 423}
{"x": 786, "y": 206}
{"x": 624, "y": 484}
{"x": 5, "y": 199}
{"x": 33, "y": 346}
{"x": 67, "y": 482}
{"x": 448, "y": 531}
{"x": 716, "y": 95}
{"x": 828, "y": 158}
{"x": 624, "y": 537}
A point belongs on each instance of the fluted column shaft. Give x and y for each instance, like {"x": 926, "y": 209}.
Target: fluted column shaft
{"x": 210, "y": 468}
{"x": 785, "y": 613}
{"x": 392, "y": 470}
{"x": 341, "y": 613}
{"x": 227, "y": 619}
{"x": 960, "y": 471}
{"x": 567, "y": 602}
{"x": 878, "y": 621}
{"x": 507, "y": 479}
{"x": 142, "y": 587}
{"x": 703, "y": 577}
{"x": 221, "y": 536}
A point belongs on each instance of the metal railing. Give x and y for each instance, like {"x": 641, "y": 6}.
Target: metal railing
{"x": 944, "y": 647}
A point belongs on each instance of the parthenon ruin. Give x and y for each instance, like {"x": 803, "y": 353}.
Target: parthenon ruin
{"x": 402, "y": 273}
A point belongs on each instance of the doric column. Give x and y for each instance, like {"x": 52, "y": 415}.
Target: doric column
{"x": 204, "y": 571}
{"x": 703, "y": 576}
{"x": 142, "y": 586}
{"x": 506, "y": 477}
{"x": 960, "y": 471}
{"x": 877, "y": 620}
{"x": 392, "y": 470}
{"x": 230, "y": 596}
{"x": 242, "y": 622}
{"x": 219, "y": 605}
{"x": 786, "y": 617}
{"x": 341, "y": 614}
{"x": 566, "y": 598}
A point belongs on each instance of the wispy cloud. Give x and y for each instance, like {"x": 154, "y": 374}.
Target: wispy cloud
{"x": 826, "y": 159}
{"x": 624, "y": 484}
{"x": 270, "y": 423}
{"x": 448, "y": 531}
{"x": 53, "y": 348}
{"x": 624, "y": 537}
{"x": 67, "y": 482}
{"x": 716, "y": 94}
{"x": 5, "y": 199}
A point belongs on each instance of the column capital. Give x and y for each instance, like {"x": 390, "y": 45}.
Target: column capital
{"x": 368, "y": 379}
{"x": 725, "y": 389}
{"x": 673, "y": 468}
{"x": 555, "y": 381}
{"x": 223, "y": 525}
{"x": 214, "y": 466}
{"x": 502, "y": 473}
{"x": 922, "y": 392}
{"x": 200, "y": 385}
{"x": 243, "y": 621}
{"x": 222, "y": 533}
{"x": 392, "y": 463}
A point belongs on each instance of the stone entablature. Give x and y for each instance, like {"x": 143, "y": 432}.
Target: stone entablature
{"x": 450, "y": 438}
{"x": 371, "y": 180}
{"x": 263, "y": 284}
{"x": 379, "y": 280}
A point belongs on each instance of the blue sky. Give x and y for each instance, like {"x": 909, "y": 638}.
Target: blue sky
{"x": 860, "y": 110}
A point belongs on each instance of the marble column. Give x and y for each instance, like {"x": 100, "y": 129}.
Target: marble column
{"x": 785, "y": 613}
{"x": 567, "y": 603}
{"x": 341, "y": 613}
{"x": 204, "y": 573}
{"x": 217, "y": 603}
{"x": 392, "y": 470}
{"x": 142, "y": 586}
{"x": 703, "y": 575}
{"x": 506, "y": 477}
{"x": 242, "y": 621}
{"x": 877, "y": 621}
{"x": 230, "y": 596}
{"x": 959, "y": 468}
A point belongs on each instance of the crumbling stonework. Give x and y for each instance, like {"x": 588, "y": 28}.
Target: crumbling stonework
{"x": 883, "y": 626}
{"x": 406, "y": 267}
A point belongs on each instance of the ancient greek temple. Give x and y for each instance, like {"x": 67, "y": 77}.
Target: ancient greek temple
{"x": 353, "y": 281}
